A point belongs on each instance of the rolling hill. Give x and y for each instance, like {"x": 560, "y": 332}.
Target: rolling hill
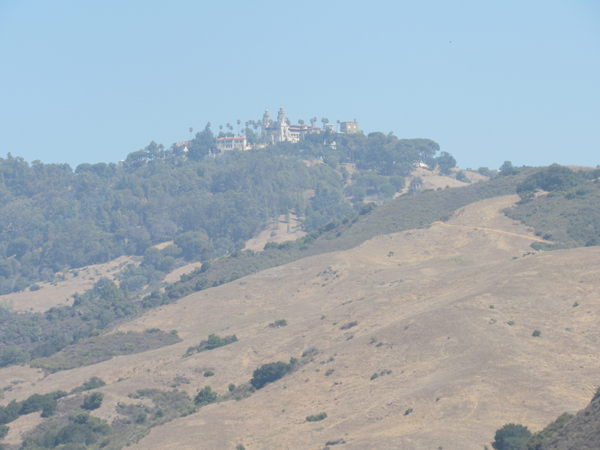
{"x": 406, "y": 338}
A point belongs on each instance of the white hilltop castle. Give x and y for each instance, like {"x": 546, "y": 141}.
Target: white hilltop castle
{"x": 281, "y": 130}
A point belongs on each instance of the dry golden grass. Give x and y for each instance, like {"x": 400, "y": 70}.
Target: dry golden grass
{"x": 434, "y": 180}
{"x": 176, "y": 274}
{"x": 60, "y": 292}
{"x": 425, "y": 296}
{"x": 285, "y": 232}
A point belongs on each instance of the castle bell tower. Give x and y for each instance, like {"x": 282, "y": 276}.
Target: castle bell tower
{"x": 266, "y": 121}
{"x": 281, "y": 116}
{"x": 283, "y": 129}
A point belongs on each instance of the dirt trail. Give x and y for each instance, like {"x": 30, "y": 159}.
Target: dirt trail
{"x": 533, "y": 238}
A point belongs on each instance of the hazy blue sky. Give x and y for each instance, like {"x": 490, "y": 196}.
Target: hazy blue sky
{"x": 489, "y": 81}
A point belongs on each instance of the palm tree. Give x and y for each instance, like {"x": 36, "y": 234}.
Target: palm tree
{"x": 301, "y": 122}
{"x": 238, "y": 123}
{"x": 312, "y": 121}
{"x": 255, "y": 125}
{"x": 338, "y": 122}
{"x": 191, "y": 131}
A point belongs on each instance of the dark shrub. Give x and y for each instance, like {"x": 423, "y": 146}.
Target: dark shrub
{"x": 511, "y": 437}
{"x": 93, "y": 401}
{"x": 93, "y": 383}
{"x": 278, "y": 323}
{"x": 268, "y": 373}
{"x": 213, "y": 341}
{"x": 205, "y": 396}
{"x": 316, "y": 417}
{"x": 349, "y": 325}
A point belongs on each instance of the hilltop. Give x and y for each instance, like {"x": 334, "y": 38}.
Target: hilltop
{"x": 398, "y": 303}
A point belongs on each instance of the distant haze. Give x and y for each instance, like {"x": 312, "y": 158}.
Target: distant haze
{"x": 489, "y": 82}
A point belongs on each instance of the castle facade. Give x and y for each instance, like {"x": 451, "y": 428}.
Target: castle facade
{"x": 282, "y": 130}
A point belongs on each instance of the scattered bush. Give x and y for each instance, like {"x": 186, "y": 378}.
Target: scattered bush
{"x": 81, "y": 431}
{"x": 408, "y": 411}
{"x": 278, "y": 323}
{"x": 205, "y": 396}
{"x": 93, "y": 383}
{"x": 349, "y": 325}
{"x": 461, "y": 176}
{"x": 536, "y": 333}
{"x": 208, "y": 373}
{"x": 511, "y": 437}
{"x": 213, "y": 341}
{"x": 46, "y": 403}
{"x": 316, "y": 417}
{"x": 231, "y": 387}
{"x": 375, "y": 375}
{"x": 4, "y": 430}
{"x": 93, "y": 401}
{"x": 268, "y": 373}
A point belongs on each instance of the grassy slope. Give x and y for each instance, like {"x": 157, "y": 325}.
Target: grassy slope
{"x": 415, "y": 211}
{"x": 571, "y": 218}
{"x": 404, "y": 213}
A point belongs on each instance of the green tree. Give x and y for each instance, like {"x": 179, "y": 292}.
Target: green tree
{"x": 205, "y": 396}
{"x": 268, "y": 373}
{"x": 415, "y": 184}
{"x": 13, "y": 355}
{"x": 387, "y": 190}
{"x": 398, "y": 182}
{"x": 93, "y": 401}
{"x": 507, "y": 169}
{"x": 202, "y": 144}
{"x": 511, "y": 437}
{"x": 446, "y": 162}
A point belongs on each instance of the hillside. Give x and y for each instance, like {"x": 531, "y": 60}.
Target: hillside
{"x": 443, "y": 314}
{"x": 581, "y": 433}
